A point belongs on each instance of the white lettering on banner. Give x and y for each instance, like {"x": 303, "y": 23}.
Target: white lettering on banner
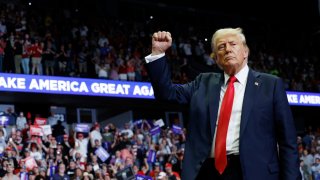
{"x": 58, "y": 85}
{"x": 73, "y": 86}
{"x": 21, "y": 83}
{"x": 143, "y": 90}
{"x": 309, "y": 99}
{"x": 62, "y": 86}
{"x": 83, "y": 87}
{"x": 15, "y": 83}
{"x": 104, "y": 88}
{"x": 292, "y": 98}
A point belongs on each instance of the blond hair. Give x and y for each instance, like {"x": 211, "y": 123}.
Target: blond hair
{"x": 222, "y": 32}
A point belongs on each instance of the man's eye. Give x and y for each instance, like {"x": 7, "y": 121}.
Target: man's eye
{"x": 220, "y": 47}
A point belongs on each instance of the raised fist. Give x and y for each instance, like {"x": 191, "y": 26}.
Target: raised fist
{"x": 161, "y": 41}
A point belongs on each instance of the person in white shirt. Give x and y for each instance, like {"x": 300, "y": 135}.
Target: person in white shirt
{"x": 127, "y": 130}
{"x": 21, "y": 121}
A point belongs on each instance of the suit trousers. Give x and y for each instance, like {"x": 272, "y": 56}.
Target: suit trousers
{"x": 232, "y": 172}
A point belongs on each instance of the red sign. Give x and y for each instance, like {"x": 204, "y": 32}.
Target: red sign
{"x": 30, "y": 163}
{"x": 40, "y": 121}
{"x": 36, "y": 130}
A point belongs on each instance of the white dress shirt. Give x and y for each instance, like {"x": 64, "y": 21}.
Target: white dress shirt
{"x": 151, "y": 58}
{"x": 235, "y": 118}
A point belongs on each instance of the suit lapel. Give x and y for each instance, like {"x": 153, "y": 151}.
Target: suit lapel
{"x": 250, "y": 94}
{"x": 214, "y": 98}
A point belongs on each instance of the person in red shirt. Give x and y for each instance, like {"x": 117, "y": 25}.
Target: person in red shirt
{"x": 36, "y": 53}
{"x": 171, "y": 174}
{"x": 156, "y": 170}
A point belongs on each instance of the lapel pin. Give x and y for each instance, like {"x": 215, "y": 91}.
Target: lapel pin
{"x": 256, "y": 83}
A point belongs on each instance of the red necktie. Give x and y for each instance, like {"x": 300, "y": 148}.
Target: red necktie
{"x": 220, "y": 152}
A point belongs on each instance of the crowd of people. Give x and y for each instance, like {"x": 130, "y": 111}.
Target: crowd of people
{"x": 137, "y": 146}
{"x": 146, "y": 150}
{"x": 33, "y": 42}
{"x": 309, "y": 150}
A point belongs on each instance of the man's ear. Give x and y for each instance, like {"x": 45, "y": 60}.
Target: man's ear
{"x": 246, "y": 52}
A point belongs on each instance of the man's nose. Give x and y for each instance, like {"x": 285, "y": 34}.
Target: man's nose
{"x": 228, "y": 47}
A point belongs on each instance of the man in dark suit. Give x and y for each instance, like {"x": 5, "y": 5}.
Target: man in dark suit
{"x": 259, "y": 134}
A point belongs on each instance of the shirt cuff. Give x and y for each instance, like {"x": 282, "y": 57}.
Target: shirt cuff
{"x": 151, "y": 58}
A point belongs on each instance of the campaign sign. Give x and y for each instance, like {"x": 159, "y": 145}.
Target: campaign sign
{"x": 40, "y": 121}
{"x": 24, "y": 176}
{"x": 137, "y": 122}
{"x": 84, "y": 128}
{"x": 4, "y": 120}
{"x": 142, "y": 177}
{"x": 46, "y": 129}
{"x": 176, "y": 129}
{"x": 155, "y": 130}
{"x": 36, "y": 130}
{"x": 30, "y": 163}
{"x": 102, "y": 154}
{"x": 152, "y": 156}
{"x": 159, "y": 123}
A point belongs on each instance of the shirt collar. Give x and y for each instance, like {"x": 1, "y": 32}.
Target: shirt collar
{"x": 241, "y": 76}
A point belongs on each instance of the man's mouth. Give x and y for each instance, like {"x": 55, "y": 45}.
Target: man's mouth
{"x": 228, "y": 58}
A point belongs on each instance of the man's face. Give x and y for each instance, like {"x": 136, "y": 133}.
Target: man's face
{"x": 72, "y": 165}
{"x": 65, "y": 138}
{"x": 168, "y": 169}
{"x": 231, "y": 53}
{"x": 62, "y": 168}
{"x": 10, "y": 167}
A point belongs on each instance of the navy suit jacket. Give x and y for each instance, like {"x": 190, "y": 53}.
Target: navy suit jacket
{"x": 267, "y": 142}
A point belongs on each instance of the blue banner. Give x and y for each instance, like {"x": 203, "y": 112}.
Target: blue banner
{"x": 24, "y": 176}
{"x": 303, "y": 98}
{"x": 176, "y": 129}
{"x": 98, "y": 87}
{"x": 152, "y": 155}
{"x": 83, "y": 128}
{"x": 74, "y": 86}
{"x": 102, "y": 154}
{"x": 142, "y": 177}
{"x": 155, "y": 130}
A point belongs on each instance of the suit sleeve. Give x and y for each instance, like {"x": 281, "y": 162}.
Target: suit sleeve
{"x": 286, "y": 134}
{"x": 164, "y": 89}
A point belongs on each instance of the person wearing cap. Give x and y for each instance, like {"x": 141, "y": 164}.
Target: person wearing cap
{"x": 81, "y": 144}
{"x": 156, "y": 170}
{"x": 170, "y": 173}
{"x": 95, "y": 134}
